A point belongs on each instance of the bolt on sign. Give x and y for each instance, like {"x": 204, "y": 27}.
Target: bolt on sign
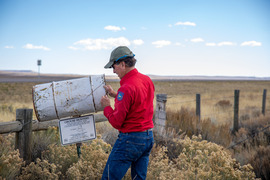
{"x": 77, "y": 130}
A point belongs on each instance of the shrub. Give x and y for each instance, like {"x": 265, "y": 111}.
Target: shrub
{"x": 186, "y": 121}
{"x": 182, "y": 120}
{"x": 224, "y": 104}
{"x": 10, "y": 161}
{"x": 109, "y": 134}
{"x": 41, "y": 141}
{"x": 42, "y": 170}
{"x": 62, "y": 156}
{"x": 92, "y": 161}
{"x": 261, "y": 162}
{"x": 198, "y": 160}
{"x": 255, "y": 151}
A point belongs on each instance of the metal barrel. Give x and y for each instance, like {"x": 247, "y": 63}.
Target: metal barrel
{"x": 68, "y": 98}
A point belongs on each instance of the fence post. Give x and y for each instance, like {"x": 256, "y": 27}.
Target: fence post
{"x": 236, "y": 111}
{"x": 24, "y": 137}
{"x": 198, "y": 106}
{"x": 264, "y": 101}
{"x": 160, "y": 114}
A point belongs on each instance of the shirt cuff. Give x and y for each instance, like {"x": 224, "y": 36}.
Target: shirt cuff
{"x": 107, "y": 111}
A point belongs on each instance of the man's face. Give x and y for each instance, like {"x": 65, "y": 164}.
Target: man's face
{"x": 119, "y": 69}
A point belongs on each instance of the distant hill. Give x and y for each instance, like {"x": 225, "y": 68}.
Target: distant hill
{"x": 208, "y": 78}
{"x": 31, "y": 76}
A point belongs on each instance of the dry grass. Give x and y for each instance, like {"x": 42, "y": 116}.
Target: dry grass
{"x": 183, "y": 94}
{"x": 217, "y": 98}
{"x": 14, "y": 96}
{"x": 180, "y": 94}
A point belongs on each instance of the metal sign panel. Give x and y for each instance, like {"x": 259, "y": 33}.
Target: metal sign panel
{"x": 76, "y": 130}
{"x": 39, "y": 62}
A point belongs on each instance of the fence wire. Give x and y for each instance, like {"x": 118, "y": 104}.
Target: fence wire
{"x": 12, "y": 131}
{"x": 249, "y": 137}
{"x": 241, "y": 112}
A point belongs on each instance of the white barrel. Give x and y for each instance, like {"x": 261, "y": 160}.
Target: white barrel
{"x": 68, "y": 98}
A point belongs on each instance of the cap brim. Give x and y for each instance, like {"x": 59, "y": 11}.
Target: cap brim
{"x": 108, "y": 65}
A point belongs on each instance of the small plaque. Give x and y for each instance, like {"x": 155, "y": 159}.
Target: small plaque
{"x": 76, "y": 130}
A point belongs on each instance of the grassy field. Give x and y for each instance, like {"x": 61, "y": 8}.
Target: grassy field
{"x": 217, "y": 97}
{"x": 188, "y": 158}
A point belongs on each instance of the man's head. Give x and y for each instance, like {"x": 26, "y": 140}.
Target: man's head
{"x": 119, "y": 53}
{"x": 122, "y": 61}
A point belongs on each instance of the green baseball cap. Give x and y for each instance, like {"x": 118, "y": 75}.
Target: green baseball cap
{"x": 119, "y": 53}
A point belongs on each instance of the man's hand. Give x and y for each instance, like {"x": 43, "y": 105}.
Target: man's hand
{"x": 110, "y": 91}
{"x": 105, "y": 101}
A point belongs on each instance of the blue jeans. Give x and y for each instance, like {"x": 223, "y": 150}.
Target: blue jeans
{"x": 130, "y": 149}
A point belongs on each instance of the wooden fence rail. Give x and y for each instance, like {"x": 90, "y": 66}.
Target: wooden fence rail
{"x": 16, "y": 126}
{"x": 23, "y": 127}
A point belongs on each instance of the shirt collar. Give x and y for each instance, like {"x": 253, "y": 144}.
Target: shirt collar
{"x": 128, "y": 75}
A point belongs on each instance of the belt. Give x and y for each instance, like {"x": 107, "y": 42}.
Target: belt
{"x": 147, "y": 130}
{"x": 139, "y": 131}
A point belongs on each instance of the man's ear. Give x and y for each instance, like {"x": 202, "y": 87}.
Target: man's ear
{"x": 123, "y": 64}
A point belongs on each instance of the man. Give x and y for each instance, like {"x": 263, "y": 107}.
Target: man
{"x": 132, "y": 117}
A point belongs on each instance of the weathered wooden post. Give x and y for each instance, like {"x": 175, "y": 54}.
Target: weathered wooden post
{"x": 198, "y": 106}
{"x": 160, "y": 114}
{"x": 236, "y": 111}
{"x": 24, "y": 137}
{"x": 264, "y": 101}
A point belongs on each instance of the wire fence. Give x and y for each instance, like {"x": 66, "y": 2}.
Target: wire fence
{"x": 220, "y": 105}
{"x": 248, "y": 137}
{"x": 234, "y": 109}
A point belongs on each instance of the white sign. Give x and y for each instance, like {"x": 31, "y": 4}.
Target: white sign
{"x": 76, "y": 130}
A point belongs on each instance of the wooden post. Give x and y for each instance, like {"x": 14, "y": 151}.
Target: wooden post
{"x": 264, "y": 101}
{"x": 236, "y": 111}
{"x": 160, "y": 114}
{"x": 24, "y": 137}
{"x": 198, "y": 106}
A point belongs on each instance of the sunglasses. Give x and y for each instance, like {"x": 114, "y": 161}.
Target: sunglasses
{"x": 116, "y": 62}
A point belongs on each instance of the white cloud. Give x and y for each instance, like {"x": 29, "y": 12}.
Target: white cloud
{"x": 179, "y": 44}
{"x": 137, "y": 42}
{"x": 9, "y": 47}
{"x": 226, "y": 43}
{"x": 114, "y": 28}
{"x": 185, "y": 24}
{"x": 73, "y": 48}
{"x": 161, "y": 43}
{"x": 251, "y": 43}
{"x": 98, "y": 44}
{"x": 31, "y": 46}
{"x": 197, "y": 40}
{"x": 210, "y": 44}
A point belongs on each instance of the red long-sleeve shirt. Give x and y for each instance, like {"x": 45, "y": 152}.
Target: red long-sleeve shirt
{"x": 134, "y": 109}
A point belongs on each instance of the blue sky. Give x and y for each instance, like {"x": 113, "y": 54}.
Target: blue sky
{"x": 181, "y": 37}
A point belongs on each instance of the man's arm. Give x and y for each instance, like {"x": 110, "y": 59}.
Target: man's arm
{"x": 110, "y": 91}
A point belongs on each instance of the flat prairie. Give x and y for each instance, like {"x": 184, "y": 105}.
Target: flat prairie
{"x": 217, "y": 96}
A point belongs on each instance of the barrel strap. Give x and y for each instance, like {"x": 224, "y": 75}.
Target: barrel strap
{"x": 54, "y": 100}
{"x": 92, "y": 93}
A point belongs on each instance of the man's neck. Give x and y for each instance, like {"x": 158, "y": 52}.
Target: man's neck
{"x": 128, "y": 69}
